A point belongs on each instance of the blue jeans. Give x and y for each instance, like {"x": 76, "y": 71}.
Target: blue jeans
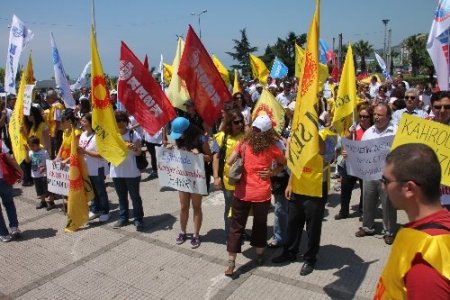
{"x": 100, "y": 204}
{"x": 280, "y": 222}
{"x": 228, "y": 195}
{"x": 123, "y": 187}
{"x": 6, "y": 193}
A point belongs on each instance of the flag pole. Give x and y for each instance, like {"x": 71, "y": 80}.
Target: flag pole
{"x": 93, "y": 16}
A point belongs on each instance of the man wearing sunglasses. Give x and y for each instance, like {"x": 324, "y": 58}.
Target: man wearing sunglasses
{"x": 412, "y": 104}
{"x": 440, "y": 107}
{"x": 418, "y": 266}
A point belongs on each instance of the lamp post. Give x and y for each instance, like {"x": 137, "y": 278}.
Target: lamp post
{"x": 199, "y": 25}
{"x": 385, "y": 22}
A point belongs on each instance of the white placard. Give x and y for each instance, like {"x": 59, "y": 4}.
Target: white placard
{"x": 181, "y": 170}
{"x": 27, "y": 99}
{"x": 57, "y": 177}
{"x": 365, "y": 159}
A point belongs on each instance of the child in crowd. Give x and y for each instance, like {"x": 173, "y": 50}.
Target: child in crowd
{"x": 37, "y": 156}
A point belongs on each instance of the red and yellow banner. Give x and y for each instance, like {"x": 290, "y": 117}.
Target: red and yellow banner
{"x": 268, "y": 105}
{"x": 110, "y": 144}
{"x": 80, "y": 189}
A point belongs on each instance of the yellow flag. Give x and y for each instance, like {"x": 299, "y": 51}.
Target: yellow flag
{"x": 80, "y": 189}
{"x": 110, "y": 144}
{"x": 346, "y": 98}
{"x": 222, "y": 70}
{"x": 259, "y": 69}
{"x": 268, "y": 105}
{"x": 18, "y": 140}
{"x": 323, "y": 69}
{"x": 168, "y": 70}
{"x": 177, "y": 92}
{"x": 304, "y": 141}
{"x": 369, "y": 77}
{"x": 236, "y": 85}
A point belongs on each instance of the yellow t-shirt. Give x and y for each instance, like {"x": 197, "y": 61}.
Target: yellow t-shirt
{"x": 64, "y": 151}
{"x": 53, "y": 116}
{"x": 232, "y": 141}
{"x": 39, "y": 132}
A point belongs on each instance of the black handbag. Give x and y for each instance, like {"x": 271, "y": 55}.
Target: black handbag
{"x": 141, "y": 160}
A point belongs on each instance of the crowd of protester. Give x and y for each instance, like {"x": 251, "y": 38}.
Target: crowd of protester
{"x": 237, "y": 134}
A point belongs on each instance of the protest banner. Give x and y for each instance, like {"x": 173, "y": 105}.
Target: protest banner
{"x": 365, "y": 159}
{"x": 57, "y": 177}
{"x": 181, "y": 170}
{"x": 412, "y": 129}
{"x": 27, "y": 99}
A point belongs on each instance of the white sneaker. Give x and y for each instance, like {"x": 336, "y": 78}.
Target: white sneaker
{"x": 93, "y": 216}
{"x": 5, "y": 238}
{"x": 15, "y": 232}
{"x": 103, "y": 218}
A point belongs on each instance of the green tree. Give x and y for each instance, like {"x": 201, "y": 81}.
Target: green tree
{"x": 242, "y": 49}
{"x": 362, "y": 49}
{"x": 284, "y": 49}
{"x": 418, "y": 56}
{"x": 2, "y": 76}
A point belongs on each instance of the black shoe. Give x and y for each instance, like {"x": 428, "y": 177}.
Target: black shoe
{"x": 340, "y": 216}
{"x": 41, "y": 205}
{"x": 139, "y": 225}
{"x": 153, "y": 175}
{"x": 27, "y": 183}
{"x": 307, "y": 269}
{"x": 50, "y": 206}
{"x": 119, "y": 224}
{"x": 283, "y": 258}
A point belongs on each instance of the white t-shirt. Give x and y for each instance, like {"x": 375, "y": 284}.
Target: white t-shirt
{"x": 246, "y": 113}
{"x": 128, "y": 168}
{"x": 284, "y": 99}
{"x": 154, "y": 139}
{"x": 38, "y": 163}
{"x": 4, "y": 150}
{"x": 92, "y": 163}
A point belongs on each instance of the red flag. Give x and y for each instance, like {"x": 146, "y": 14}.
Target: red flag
{"x": 335, "y": 73}
{"x": 146, "y": 62}
{"x": 204, "y": 83}
{"x": 141, "y": 94}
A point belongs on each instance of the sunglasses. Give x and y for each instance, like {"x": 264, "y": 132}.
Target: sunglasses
{"x": 410, "y": 97}
{"x": 237, "y": 122}
{"x": 238, "y": 98}
{"x": 363, "y": 117}
{"x": 439, "y": 107}
{"x": 121, "y": 120}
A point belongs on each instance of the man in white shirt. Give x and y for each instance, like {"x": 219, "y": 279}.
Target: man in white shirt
{"x": 328, "y": 88}
{"x": 285, "y": 97}
{"x": 373, "y": 191}
{"x": 412, "y": 102}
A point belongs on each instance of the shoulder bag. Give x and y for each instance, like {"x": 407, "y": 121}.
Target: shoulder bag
{"x": 236, "y": 169}
{"x": 141, "y": 160}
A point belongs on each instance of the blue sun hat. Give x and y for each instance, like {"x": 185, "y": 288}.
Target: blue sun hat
{"x": 179, "y": 126}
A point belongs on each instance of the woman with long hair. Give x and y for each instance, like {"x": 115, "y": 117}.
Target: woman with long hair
{"x": 189, "y": 137}
{"x": 258, "y": 151}
{"x": 34, "y": 126}
{"x": 365, "y": 120}
{"x": 226, "y": 140}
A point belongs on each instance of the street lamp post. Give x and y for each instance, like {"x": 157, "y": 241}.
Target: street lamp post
{"x": 385, "y": 22}
{"x": 199, "y": 25}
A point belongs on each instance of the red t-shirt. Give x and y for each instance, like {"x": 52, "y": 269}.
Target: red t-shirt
{"x": 422, "y": 281}
{"x": 252, "y": 187}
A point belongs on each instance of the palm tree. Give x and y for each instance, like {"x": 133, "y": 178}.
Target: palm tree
{"x": 363, "y": 49}
{"x": 418, "y": 56}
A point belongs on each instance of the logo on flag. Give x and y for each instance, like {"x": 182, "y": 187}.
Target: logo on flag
{"x": 442, "y": 12}
{"x": 443, "y": 39}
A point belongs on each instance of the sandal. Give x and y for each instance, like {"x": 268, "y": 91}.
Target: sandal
{"x": 230, "y": 270}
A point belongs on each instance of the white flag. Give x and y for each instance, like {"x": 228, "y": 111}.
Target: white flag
{"x": 438, "y": 43}
{"x": 19, "y": 37}
{"x": 81, "y": 80}
{"x": 382, "y": 65}
{"x": 60, "y": 76}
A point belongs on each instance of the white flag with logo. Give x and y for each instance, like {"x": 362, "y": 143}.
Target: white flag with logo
{"x": 19, "y": 37}
{"x": 438, "y": 43}
{"x": 60, "y": 76}
{"x": 382, "y": 65}
{"x": 81, "y": 80}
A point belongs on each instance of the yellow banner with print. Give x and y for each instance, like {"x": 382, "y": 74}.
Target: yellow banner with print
{"x": 268, "y": 105}
{"x": 413, "y": 129}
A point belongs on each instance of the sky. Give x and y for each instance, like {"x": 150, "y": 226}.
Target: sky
{"x": 151, "y": 26}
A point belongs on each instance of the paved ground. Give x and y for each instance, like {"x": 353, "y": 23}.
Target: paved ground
{"x": 99, "y": 262}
